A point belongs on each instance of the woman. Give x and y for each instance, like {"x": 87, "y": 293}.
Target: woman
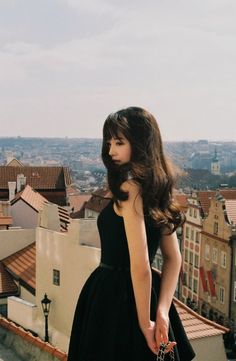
{"x": 125, "y": 310}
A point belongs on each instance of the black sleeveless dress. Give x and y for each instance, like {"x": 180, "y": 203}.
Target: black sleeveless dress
{"x": 105, "y": 326}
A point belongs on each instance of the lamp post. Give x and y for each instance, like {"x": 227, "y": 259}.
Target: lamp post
{"x": 46, "y": 307}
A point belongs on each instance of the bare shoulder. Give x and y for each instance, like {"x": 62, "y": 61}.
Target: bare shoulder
{"x": 134, "y": 204}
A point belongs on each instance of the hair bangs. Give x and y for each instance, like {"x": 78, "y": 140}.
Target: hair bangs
{"x": 115, "y": 126}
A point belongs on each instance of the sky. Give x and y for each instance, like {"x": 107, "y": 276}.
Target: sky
{"x": 66, "y": 64}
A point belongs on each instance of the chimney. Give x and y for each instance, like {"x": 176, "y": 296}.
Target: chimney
{"x": 21, "y": 182}
{"x": 12, "y": 190}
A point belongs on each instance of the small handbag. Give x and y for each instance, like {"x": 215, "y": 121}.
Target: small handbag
{"x": 161, "y": 356}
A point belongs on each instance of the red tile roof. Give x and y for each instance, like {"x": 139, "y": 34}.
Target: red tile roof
{"x": 31, "y": 197}
{"x": 36, "y": 177}
{"x": 206, "y": 196}
{"x": 34, "y": 340}
{"x": 99, "y": 200}
{"x": 103, "y": 193}
{"x": 97, "y": 203}
{"x": 230, "y": 206}
{"x": 77, "y": 201}
{"x": 7, "y": 285}
{"x": 195, "y": 325}
{"x": 22, "y": 265}
{"x": 182, "y": 200}
{"x": 228, "y": 193}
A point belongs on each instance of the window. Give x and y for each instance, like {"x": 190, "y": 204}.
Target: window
{"x": 187, "y": 232}
{"x": 191, "y": 257}
{"x": 215, "y": 229}
{"x": 190, "y": 212}
{"x": 215, "y": 255}
{"x": 223, "y": 259}
{"x": 192, "y": 234}
{"x": 56, "y": 277}
{"x": 207, "y": 252}
{"x": 186, "y": 255}
{"x": 190, "y": 280}
{"x": 234, "y": 291}
{"x": 195, "y": 285}
{"x": 196, "y": 261}
{"x": 197, "y": 237}
{"x": 222, "y": 295}
{"x": 195, "y": 213}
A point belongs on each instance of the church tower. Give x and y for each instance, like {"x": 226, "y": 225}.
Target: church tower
{"x": 215, "y": 165}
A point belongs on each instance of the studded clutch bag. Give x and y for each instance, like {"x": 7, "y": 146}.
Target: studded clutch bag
{"x": 162, "y": 356}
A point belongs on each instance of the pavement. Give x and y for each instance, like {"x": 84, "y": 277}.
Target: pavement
{"x": 8, "y": 355}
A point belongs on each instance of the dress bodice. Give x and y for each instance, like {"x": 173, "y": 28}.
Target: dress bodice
{"x": 114, "y": 246}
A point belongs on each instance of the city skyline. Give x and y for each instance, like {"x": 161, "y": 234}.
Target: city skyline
{"x": 65, "y": 65}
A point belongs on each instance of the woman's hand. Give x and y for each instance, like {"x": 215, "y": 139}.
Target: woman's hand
{"x": 149, "y": 334}
{"x": 161, "y": 330}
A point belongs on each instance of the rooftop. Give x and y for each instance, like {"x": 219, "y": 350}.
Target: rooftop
{"x": 195, "y": 325}
{"x": 21, "y": 265}
{"x": 36, "y": 341}
{"x": 7, "y": 285}
{"x": 36, "y": 177}
{"x": 31, "y": 197}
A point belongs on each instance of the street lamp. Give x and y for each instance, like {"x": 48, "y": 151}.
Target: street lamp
{"x": 46, "y": 307}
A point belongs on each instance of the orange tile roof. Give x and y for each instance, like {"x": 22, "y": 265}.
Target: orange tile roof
{"x": 228, "y": 193}
{"x": 36, "y": 177}
{"x": 31, "y": 197}
{"x": 97, "y": 203}
{"x": 100, "y": 198}
{"x": 77, "y": 201}
{"x": 34, "y": 340}
{"x": 103, "y": 193}
{"x": 7, "y": 285}
{"x": 230, "y": 205}
{"x": 206, "y": 196}
{"x": 71, "y": 190}
{"x": 195, "y": 325}
{"x": 182, "y": 200}
{"x": 22, "y": 264}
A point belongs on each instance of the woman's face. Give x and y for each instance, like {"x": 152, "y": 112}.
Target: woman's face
{"x": 119, "y": 150}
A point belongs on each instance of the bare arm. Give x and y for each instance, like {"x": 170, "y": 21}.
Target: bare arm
{"x": 132, "y": 212}
{"x": 170, "y": 273}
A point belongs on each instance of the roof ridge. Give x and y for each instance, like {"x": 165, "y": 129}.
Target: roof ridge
{"x": 35, "y": 340}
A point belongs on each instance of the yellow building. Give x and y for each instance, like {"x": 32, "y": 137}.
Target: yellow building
{"x": 191, "y": 251}
{"x": 216, "y": 267}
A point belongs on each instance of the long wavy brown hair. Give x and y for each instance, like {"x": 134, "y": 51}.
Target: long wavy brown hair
{"x": 148, "y": 166}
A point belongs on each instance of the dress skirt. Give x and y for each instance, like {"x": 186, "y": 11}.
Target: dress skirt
{"x": 105, "y": 326}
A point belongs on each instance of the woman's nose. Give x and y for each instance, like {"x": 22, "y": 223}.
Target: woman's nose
{"x": 111, "y": 150}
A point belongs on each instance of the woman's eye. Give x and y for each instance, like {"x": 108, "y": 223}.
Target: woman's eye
{"x": 119, "y": 143}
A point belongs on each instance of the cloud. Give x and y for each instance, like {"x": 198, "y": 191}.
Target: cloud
{"x": 64, "y": 60}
